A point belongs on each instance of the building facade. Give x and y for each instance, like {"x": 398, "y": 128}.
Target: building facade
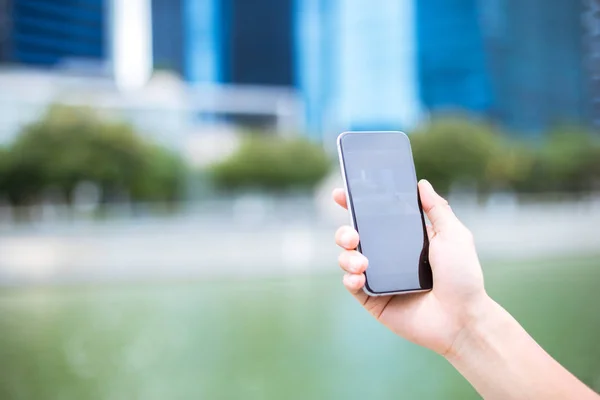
{"x": 49, "y": 33}
{"x": 591, "y": 22}
{"x": 528, "y": 65}
{"x": 225, "y": 41}
{"x": 536, "y": 59}
{"x": 5, "y": 30}
{"x": 168, "y": 35}
{"x": 357, "y": 65}
{"x": 452, "y": 66}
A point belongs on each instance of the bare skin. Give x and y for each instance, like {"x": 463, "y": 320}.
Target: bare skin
{"x": 457, "y": 319}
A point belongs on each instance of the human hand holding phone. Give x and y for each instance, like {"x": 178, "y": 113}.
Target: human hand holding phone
{"x": 457, "y": 318}
{"x": 436, "y": 318}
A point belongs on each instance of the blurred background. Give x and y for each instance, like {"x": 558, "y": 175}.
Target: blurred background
{"x": 166, "y": 229}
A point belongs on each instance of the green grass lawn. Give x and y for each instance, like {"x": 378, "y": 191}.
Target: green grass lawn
{"x": 296, "y": 338}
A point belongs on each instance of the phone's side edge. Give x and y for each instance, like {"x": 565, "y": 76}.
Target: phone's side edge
{"x": 425, "y": 237}
{"x": 344, "y": 179}
{"x": 347, "y": 190}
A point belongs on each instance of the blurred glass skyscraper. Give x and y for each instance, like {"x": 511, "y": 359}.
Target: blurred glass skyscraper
{"x": 381, "y": 66}
{"x": 453, "y": 73}
{"x": 5, "y": 29}
{"x": 168, "y": 35}
{"x": 521, "y": 63}
{"x": 225, "y": 41}
{"x": 356, "y": 64}
{"x": 591, "y": 22}
{"x": 47, "y": 32}
{"x": 537, "y": 60}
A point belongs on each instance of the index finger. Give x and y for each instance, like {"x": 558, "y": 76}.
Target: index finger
{"x": 339, "y": 196}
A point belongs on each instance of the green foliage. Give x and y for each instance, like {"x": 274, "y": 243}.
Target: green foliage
{"x": 163, "y": 177}
{"x": 272, "y": 163}
{"x": 3, "y": 169}
{"x": 450, "y": 151}
{"x": 69, "y": 146}
{"x": 455, "y": 150}
{"x": 568, "y": 161}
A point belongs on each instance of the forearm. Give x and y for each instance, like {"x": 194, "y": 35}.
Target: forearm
{"x": 497, "y": 356}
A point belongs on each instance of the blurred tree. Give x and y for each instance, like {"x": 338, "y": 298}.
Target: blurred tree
{"x": 72, "y": 145}
{"x": 162, "y": 178}
{"x": 512, "y": 167}
{"x": 454, "y": 150}
{"x": 3, "y": 168}
{"x": 567, "y": 161}
{"x": 272, "y": 163}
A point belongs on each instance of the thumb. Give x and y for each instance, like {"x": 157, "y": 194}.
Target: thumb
{"x": 436, "y": 207}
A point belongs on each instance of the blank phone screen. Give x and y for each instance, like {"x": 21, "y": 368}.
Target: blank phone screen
{"x": 382, "y": 188}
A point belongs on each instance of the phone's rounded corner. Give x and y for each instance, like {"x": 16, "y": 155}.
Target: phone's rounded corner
{"x": 405, "y": 135}
{"x": 368, "y": 292}
{"x": 341, "y": 137}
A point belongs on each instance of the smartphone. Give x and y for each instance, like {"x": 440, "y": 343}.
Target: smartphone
{"x": 385, "y": 208}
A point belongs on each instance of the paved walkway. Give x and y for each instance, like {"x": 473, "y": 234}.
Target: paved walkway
{"x": 253, "y": 241}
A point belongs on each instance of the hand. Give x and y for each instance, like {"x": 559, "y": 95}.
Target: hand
{"x": 434, "y": 319}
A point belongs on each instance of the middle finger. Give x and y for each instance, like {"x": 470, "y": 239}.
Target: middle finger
{"x": 347, "y": 238}
{"x": 353, "y": 262}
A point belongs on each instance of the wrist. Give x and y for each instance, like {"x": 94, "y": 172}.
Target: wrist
{"x": 485, "y": 318}
{"x": 497, "y": 356}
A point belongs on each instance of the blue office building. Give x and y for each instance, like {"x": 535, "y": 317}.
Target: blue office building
{"x": 520, "y": 63}
{"x": 5, "y": 29}
{"x": 202, "y": 42}
{"x": 168, "y": 35}
{"x": 257, "y": 42}
{"x": 536, "y": 57}
{"x": 356, "y": 64}
{"x": 453, "y": 71}
{"x": 523, "y": 64}
{"x": 49, "y": 33}
{"x": 225, "y": 41}
{"x": 591, "y": 19}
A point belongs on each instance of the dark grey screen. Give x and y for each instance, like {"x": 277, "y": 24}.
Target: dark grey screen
{"x": 383, "y": 192}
